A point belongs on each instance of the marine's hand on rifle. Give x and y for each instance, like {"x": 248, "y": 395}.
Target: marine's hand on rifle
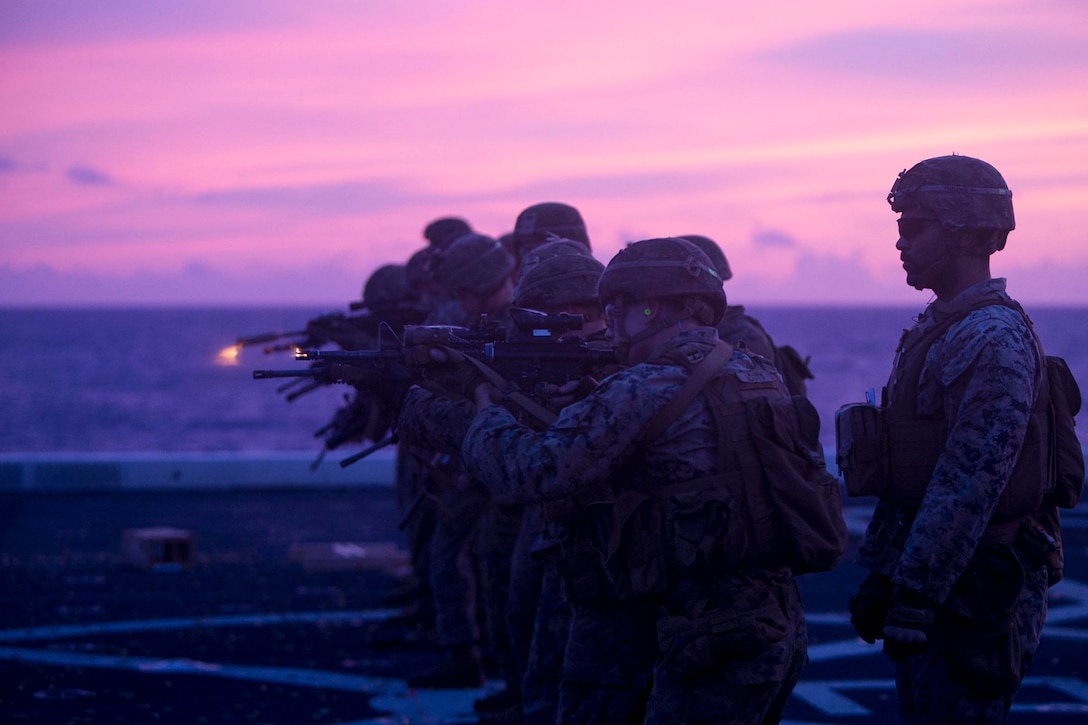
{"x": 423, "y": 355}
{"x": 486, "y": 395}
{"x": 447, "y": 368}
{"x": 556, "y": 397}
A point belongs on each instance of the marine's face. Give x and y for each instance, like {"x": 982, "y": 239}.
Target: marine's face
{"x": 924, "y": 250}
{"x": 626, "y": 319}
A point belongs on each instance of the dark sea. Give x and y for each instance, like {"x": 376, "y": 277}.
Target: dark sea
{"x": 153, "y": 380}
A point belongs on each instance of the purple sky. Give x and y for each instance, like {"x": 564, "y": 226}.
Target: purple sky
{"x": 277, "y": 152}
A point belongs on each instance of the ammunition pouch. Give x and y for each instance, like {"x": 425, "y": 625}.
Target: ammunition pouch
{"x": 692, "y": 645}
{"x": 978, "y": 623}
{"x": 859, "y": 448}
{"x": 635, "y": 559}
{"x": 686, "y": 530}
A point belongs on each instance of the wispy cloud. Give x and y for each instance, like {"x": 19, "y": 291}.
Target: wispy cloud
{"x": 774, "y": 238}
{"x": 916, "y": 57}
{"x": 87, "y": 175}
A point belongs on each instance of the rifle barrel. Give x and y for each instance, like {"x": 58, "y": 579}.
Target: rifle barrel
{"x": 267, "y": 374}
{"x": 267, "y": 337}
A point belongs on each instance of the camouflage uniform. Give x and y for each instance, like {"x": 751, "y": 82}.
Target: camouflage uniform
{"x": 962, "y": 538}
{"x": 459, "y": 504}
{"x": 591, "y": 451}
{"x": 982, "y": 376}
{"x": 471, "y": 267}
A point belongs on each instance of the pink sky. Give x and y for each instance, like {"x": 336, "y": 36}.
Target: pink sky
{"x": 277, "y": 152}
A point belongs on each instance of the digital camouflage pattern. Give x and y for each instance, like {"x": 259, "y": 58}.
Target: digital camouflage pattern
{"x": 982, "y": 376}
{"x": 588, "y": 453}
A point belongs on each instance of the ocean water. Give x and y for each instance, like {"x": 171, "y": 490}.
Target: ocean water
{"x": 153, "y": 380}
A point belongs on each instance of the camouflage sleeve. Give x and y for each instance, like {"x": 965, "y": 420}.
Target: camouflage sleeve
{"x": 983, "y": 376}
{"x": 433, "y": 421}
{"x": 590, "y": 440}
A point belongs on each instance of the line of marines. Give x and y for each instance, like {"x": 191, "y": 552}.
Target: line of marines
{"x": 635, "y": 558}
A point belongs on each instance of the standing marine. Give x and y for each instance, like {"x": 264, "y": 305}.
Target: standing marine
{"x": 963, "y": 542}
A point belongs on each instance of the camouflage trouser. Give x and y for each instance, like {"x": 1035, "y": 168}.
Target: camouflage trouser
{"x": 931, "y": 689}
{"x": 419, "y": 518}
{"x": 738, "y": 688}
{"x": 608, "y": 663}
{"x": 551, "y": 630}
{"x": 526, "y": 572}
{"x": 928, "y": 693}
{"x": 453, "y": 557}
{"x": 500, "y": 533}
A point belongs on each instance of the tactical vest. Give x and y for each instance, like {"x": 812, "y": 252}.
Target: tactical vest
{"x": 915, "y": 444}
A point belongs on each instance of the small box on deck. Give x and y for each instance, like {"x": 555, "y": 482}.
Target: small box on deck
{"x": 160, "y": 547}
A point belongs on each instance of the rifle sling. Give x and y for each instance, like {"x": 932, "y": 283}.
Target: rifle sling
{"x": 692, "y": 386}
{"x": 509, "y": 390}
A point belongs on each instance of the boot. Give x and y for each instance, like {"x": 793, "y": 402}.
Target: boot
{"x": 461, "y": 670}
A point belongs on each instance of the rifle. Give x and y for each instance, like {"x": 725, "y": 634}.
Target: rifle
{"x": 536, "y": 352}
{"x": 349, "y": 332}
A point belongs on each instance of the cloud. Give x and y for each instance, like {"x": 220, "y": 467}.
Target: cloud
{"x": 345, "y": 197}
{"x": 7, "y": 165}
{"x": 948, "y": 57}
{"x": 52, "y": 21}
{"x": 774, "y": 239}
{"x": 88, "y": 176}
{"x": 326, "y": 282}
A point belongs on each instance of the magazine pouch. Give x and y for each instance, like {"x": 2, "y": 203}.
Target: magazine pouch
{"x": 691, "y": 645}
{"x": 859, "y": 449}
{"x": 635, "y": 559}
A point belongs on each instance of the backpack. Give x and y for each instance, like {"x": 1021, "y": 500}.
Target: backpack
{"x": 1066, "y": 459}
{"x": 793, "y": 505}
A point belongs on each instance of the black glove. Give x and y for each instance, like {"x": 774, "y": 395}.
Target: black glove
{"x": 908, "y": 630}
{"x": 869, "y": 606}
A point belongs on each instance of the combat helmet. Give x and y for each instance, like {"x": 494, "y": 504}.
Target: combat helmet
{"x": 474, "y": 263}
{"x": 388, "y": 286}
{"x": 441, "y": 233}
{"x": 659, "y": 268}
{"x": 961, "y": 192}
{"x": 540, "y": 223}
{"x": 714, "y": 252}
{"x": 554, "y": 248}
{"x": 561, "y": 281}
{"x": 418, "y": 268}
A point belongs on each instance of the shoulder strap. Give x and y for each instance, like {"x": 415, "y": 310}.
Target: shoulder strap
{"x": 692, "y": 386}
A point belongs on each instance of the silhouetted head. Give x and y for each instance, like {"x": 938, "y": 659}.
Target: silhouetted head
{"x": 540, "y": 223}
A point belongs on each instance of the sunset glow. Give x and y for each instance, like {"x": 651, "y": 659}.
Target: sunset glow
{"x": 277, "y": 152}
